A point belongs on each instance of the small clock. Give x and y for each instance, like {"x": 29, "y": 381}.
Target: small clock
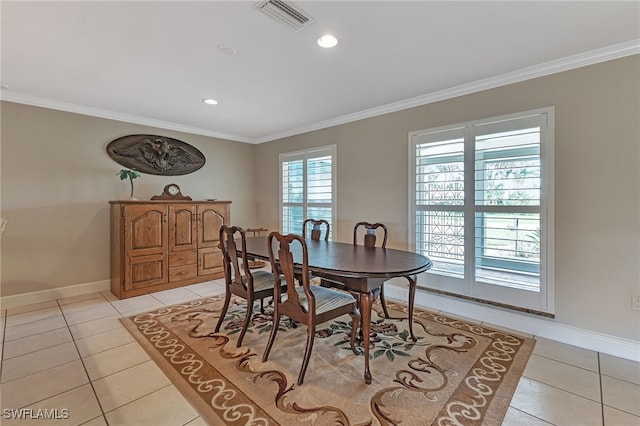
{"x": 171, "y": 192}
{"x": 172, "y": 189}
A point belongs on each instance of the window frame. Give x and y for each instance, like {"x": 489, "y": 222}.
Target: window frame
{"x": 305, "y": 156}
{"x": 469, "y": 286}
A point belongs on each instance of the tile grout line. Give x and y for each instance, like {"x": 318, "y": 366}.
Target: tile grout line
{"x": 34, "y": 351}
{"x": 600, "y": 385}
{"x": 120, "y": 371}
{"x": 561, "y": 389}
{"x": 41, "y": 371}
{"x": 140, "y": 397}
{"x": 197, "y": 297}
{"x": 53, "y": 395}
{"x": 536, "y": 417}
{"x": 84, "y": 366}
{"x": 4, "y": 328}
{"x": 569, "y": 364}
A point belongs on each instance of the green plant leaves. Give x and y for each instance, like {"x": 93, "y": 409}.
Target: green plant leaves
{"x": 128, "y": 174}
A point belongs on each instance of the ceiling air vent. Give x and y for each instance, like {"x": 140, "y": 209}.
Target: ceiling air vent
{"x": 285, "y": 13}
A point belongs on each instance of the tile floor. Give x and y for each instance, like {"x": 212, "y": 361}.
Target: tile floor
{"x": 74, "y": 354}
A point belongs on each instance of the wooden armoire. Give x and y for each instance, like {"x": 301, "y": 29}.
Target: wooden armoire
{"x": 158, "y": 245}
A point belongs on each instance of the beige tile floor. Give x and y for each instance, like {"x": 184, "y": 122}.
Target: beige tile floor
{"x": 74, "y": 354}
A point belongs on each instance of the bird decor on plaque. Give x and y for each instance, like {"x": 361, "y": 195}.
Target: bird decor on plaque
{"x": 156, "y": 155}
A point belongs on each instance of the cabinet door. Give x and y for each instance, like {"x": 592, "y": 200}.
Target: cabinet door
{"x": 145, "y": 245}
{"x": 145, "y": 230}
{"x": 210, "y": 218}
{"x": 182, "y": 227}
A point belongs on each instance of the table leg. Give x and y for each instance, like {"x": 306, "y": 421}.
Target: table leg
{"x": 366, "y": 300}
{"x": 412, "y": 296}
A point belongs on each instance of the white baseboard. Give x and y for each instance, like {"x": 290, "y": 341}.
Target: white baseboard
{"x": 520, "y": 322}
{"x": 52, "y": 294}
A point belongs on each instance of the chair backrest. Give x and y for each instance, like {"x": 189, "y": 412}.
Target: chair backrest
{"x": 234, "y": 271}
{"x": 316, "y": 230}
{"x": 287, "y": 270}
{"x": 370, "y": 236}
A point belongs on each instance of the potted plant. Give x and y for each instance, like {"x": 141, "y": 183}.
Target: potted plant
{"x": 131, "y": 175}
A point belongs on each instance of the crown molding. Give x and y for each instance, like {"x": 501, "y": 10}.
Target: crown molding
{"x": 565, "y": 64}
{"x": 541, "y": 70}
{"x": 112, "y": 115}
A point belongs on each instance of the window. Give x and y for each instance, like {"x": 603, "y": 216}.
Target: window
{"x": 307, "y": 182}
{"x": 481, "y": 207}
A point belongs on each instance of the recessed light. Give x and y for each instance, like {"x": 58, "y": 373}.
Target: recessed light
{"x": 227, "y": 50}
{"x": 210, "y": 101}
{"x": 327, "y": 41}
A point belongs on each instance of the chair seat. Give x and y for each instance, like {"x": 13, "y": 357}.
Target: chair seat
{"x": 326, "y": 298}
{"x": 262, "y": 280}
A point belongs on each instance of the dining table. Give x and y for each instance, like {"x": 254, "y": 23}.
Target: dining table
{"x": 361, "y": 270}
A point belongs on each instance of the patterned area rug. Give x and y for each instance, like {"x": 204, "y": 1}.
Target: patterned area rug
{"x": 457, "y": 373}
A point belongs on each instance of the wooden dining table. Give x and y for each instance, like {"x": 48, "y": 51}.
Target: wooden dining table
{"x": 362, "y": 270}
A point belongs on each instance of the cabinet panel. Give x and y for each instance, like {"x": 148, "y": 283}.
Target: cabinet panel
{"x": 180, "y": 273}
{"x": 182, "y": 227}
{"x": 145, "y": 229}
{"x": 211, "y": 219}
{"x": 181, "y": 258}
{"x": 146, "y": 271}
{"x": 210, "y": 261}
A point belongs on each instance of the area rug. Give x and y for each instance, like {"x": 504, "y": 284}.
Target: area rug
{"x": 457, "y": 373}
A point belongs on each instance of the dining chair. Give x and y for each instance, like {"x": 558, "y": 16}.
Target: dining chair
{"x": 307, "y": 304}
{"x": 316, "y": 234}
{"x": 369, "y": 239}
{"x": 239, "y": 279}
{"x": 316, "y": 230}
{"x": 368, "y": 231}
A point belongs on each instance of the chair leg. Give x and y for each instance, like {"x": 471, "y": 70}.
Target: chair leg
{"x": 272, "y": 336}
{"x": 262, "y": 306}
{"x": 245, "y": 323}
{"x": 383, "y": 302}
{"x": 355, "y": 325}
{"x": 225, "y": 307}
{"x": 311, "y": 334}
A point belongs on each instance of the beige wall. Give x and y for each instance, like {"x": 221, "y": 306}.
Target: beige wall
{"x": 57, "y": 179}
{"x": 597, "y": 180}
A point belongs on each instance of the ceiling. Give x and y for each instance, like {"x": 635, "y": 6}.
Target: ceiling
{"x": 152, "y": 62}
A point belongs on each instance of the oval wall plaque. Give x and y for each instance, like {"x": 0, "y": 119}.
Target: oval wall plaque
{"x": 156, "y": 155}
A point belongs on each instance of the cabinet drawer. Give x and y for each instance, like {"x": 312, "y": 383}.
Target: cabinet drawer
{"x": 181, "y": 258}
{"x": 180, "y": 273}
